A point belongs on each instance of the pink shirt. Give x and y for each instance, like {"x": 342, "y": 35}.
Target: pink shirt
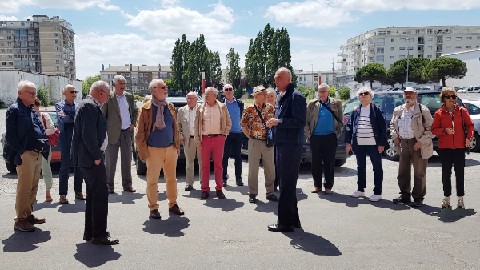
{"x": 211, "y": 120}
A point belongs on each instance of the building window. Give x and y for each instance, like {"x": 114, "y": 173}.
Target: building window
{"x": 429, "y": 56}
{"x": 458, "y": 38}
{"x": 448, "y": 38}
{"x": 392, "y": 48}
{"x": 392, "y": 57}
{"x": 402, "y": 48}
{"x": 468, "y": 47}
{"x": 429, "y": 31}
{"x": 392, "y": 40}
{"x": 402, "y": 56}
{"x": 380, "y": 50}
{"x": 458, "y": 47}
{"x": 55, "y": 41}
{"x": 469, "y": 38}
{"x": 410, "y": 48}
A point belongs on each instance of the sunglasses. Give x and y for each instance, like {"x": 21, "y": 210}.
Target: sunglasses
{"x": 450, "y": 96}
{"x": 228, "y": 89}
{"x": 364, "y": 94}
{"x": 73, "y": 92}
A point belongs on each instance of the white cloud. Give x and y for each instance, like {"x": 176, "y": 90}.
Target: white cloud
{"x": 13, "y": 6}
{"x": 330, "y": 13}
{"x": 8, "y": 18}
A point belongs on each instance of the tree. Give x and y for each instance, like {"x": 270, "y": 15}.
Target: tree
{"x": 444, "y": 67}
{"x": 234, "y": 73}
{"x": 43, "y": 94}
{"x": 178, "y": 64}
{"x": 398, "y": 71}
{"x": 371, "y": 72}
{"x": 344, "y": 93}
{"x": 87, "y": 82}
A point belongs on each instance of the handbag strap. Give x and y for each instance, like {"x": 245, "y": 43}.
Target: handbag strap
{"x": 260, "y": 115}
{"x": 330, "y": 110}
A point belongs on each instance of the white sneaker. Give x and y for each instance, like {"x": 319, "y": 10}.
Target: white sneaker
{"x": 460, "y": 202}
{"x": 375, "y": 198}
{"x": 446, "y": 202}
{"x": 357, "y": 194}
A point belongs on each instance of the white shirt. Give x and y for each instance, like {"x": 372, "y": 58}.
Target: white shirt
{"x": 191, "y": 119}
{"x": 365, "y": 135}
{"x": 405, "y": 129}
{"x": 124, "y": 113}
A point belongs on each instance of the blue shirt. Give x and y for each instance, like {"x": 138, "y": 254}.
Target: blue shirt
{"x": 68, "y": 118}
{"x": 325, "y": 121}
{"x": 161, "y": 137}
{"x": 235, "y": 115}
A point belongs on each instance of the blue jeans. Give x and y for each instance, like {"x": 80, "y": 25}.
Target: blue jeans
{"x": 361, "y": 152}
{"x": 66, "y": 143}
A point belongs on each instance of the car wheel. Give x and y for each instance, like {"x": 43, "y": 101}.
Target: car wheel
{"x": 474, "y": 145}
{"x": 11, "y": 167}
{"x": 141, "y": 167}
{"x": 390, "y": 153}
{"x": 340, "y": 162}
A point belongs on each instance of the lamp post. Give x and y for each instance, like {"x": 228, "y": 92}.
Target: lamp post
{"x": 408, "y": 57}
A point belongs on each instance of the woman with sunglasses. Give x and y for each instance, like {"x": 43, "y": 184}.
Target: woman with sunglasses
{"x": 454, "y": 128}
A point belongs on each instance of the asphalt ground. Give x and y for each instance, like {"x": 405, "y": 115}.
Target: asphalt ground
{"x": 339, "y": 232}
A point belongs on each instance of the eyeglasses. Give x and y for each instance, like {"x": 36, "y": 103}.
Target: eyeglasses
{"x": 228, "y": 89}
{"x": 31, "y": 93}
{"x": 450, "y": 96}
{"x": 73, "y": 92}
{"x": 364, "y": 94}
{"x": 163, "y": 87}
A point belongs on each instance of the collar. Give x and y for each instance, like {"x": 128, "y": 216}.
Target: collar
{"x": 21, "y": 104}
{"x": 94, "y": 100}
{"x": 66, "y": 102}
{"x": 192, "y": 109}
{"x": 230, "y": 102}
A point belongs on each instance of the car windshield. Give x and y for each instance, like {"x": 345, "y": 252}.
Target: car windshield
{"x": 386, "y": 102}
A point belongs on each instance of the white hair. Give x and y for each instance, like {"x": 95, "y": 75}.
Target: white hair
{"x": 118, "y": 78}
{"x": 323, "y": 85}
{"x": 211, "y": 89}
{"x": 24, "y": 84}
{"x": 270, "y": 90}
{"x": 192, "y": 93}
{"x": 365, "y": 89}
{"x": 99, "y": 85}
{"x": 227, "y": 86}
{"x": 284, "y": 70}
{"x": 68, "y": 86}
{"x": 154, "y": 82}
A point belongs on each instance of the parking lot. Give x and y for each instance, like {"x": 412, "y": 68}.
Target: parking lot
{"x": 338, "y": 231}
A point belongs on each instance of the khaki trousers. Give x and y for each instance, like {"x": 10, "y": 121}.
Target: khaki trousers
{"x": 161, "y": 158}
{"x": 257, "y": 149}
{"x": 191, "y": 150}
{"x": 408, "y": 156}
{"x": 27, "y": 187}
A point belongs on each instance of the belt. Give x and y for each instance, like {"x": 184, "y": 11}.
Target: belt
{"x": 191, "y": 137}
{"x": 126, "y": 129}
{"x": 213, "y": 135}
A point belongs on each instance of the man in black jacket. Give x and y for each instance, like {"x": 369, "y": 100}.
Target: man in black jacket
{"x": 89, "y": 144}
{"x": 288, "y": 135}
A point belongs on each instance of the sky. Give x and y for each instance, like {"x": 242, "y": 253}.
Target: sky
{"x": 114, "y": 32}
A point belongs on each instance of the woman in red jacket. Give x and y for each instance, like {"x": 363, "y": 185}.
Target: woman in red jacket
{"x": 454, "y": 128}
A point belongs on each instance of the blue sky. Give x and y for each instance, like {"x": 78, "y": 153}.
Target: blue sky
{"x": 143, "y": 32}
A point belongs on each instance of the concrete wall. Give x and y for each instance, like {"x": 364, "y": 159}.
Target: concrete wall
{"x": 472, "y": 77}
{"x": 9, "y": 81}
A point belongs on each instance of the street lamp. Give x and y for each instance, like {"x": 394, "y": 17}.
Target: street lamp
{"x": 313, "y": 84}
{"x": 408, "y": 56}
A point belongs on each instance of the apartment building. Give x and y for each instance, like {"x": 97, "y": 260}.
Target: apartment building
{"x": 390, "y": 44}
{"x": 41, "y": 44}
{"x": 138, "y": 77}
{"x": 311, "y": 78}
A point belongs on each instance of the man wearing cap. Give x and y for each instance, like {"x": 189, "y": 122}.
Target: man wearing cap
{"x": 410, "y": 129}
{"x": 256, "y": 131}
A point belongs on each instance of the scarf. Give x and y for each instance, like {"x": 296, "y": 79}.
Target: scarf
{"x": 159, "y": 118}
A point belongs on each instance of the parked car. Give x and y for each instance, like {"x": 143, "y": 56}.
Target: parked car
{"x": 178, "y": 102}
{"x": 473, "y": 89}
{"x": 473, "y": 107}
{"x": 388, "y": 101}
{"x": 56, "y": 155}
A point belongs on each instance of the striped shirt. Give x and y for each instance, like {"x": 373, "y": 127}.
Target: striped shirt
{"x": 405, "y": 130}
{"x": 365, "y": 135}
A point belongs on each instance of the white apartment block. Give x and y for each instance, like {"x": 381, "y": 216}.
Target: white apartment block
{"x": 310, "y": 78}
{"x": 390, "y": 44}
{"x": 42, "y": 45}
{"x": 472, "y": 60}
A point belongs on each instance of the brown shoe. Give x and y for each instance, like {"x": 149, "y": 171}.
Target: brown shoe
{"x": 129, "y": 189}
{"x": 79, "y": 196}
{"x": 63, "y": 199}
{"x": 155, "y": 214}
{"x": 220, "y": 194}
{"x": 176, "y": 210}
{"x": 23, "y": 225}
{"x": 34, "y": 220}
{"x": 316, "y": 190}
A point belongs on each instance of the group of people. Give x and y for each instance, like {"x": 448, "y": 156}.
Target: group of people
{"x": 277, "y": 125}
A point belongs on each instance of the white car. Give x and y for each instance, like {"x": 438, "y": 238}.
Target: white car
{"x": 473, "y": 107}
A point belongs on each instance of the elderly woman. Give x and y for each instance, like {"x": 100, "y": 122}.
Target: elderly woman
{"x": 366, "y": 134}
{"x": 49, "y": 130}
{"x": 454, "y": 128}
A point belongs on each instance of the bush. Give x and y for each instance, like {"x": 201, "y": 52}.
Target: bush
{"x": 43, "y": 94}
{"x": 2, "y": 104}
{"x": 308, "y": 92}
{"x": 238, "y": 93}
{"x": 332, "y": 91}
{"x": 344, "y": 93}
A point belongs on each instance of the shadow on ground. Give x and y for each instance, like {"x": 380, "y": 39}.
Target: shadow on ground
{"x": 226, "y": 205}
{"x": 125, "y": 197}
{"x": 448, "y": 215}
{"x": 94, "y": 256}
{"x": 171, "y": 227}
{"x": 312, "y": 243}
{"x": 25, "y": 241}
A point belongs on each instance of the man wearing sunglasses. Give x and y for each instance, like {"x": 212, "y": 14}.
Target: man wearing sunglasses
{"x": 410, "y": 129}
{"x": 66, "y": 115}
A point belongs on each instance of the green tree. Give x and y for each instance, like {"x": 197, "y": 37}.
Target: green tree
{"x": 398, "y": 71}
{"x": 234, "y": 73}
{"x": 371, "y": 72}
{"x": 344, "y": 93}
{"x": 43, "y": 94}
{"x": 215, "y": 69}
{"x": 87, "y": 82}
{"x": 178, "y": 64}
{"x": 442, "y": 68}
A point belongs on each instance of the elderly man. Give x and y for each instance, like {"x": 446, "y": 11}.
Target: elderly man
{"x": 212, "y": 126}
{"x": 186, "y": 126}
{"x": 66, "y": 115}
{"x": 89, "y": 143}
{"x": 410, "y": 129}
{"x": 26, "y": 139}
{"x": 289, "y": 136}
{"x": 233, "y": 143}
{"x": 121, "y": 115}
{"x": 158, "y": 143}
{"x": 324, "y": 126}
{"x": 254, "y": 127}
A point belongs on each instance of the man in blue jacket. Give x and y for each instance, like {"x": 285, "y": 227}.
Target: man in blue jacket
{"x": 288, "y": 135}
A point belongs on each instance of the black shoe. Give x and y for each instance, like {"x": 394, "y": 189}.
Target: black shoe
{"x": 252, "y": 198}
{"x": 106, "y": 240}
{"x": 225, "y": 183}
{"x": 188, "y": 188}
{"x": 279, "y": 228}
{"x": 176, "y": 210}
{"x": 155, "y": 214}
{"x": 220, "y": 194}
{"x": 402, "y": 199}
{"x": 275, "y": 189}
{"x": 272, "y": 197}
{"x": 417, "y": 203}
{"x": 111, "y": 191}
{"x": 239, "y": 183}
{"x": 205, "y": 195}
{"x": 298, "y": 225}
{"x": 88, "y": 236}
